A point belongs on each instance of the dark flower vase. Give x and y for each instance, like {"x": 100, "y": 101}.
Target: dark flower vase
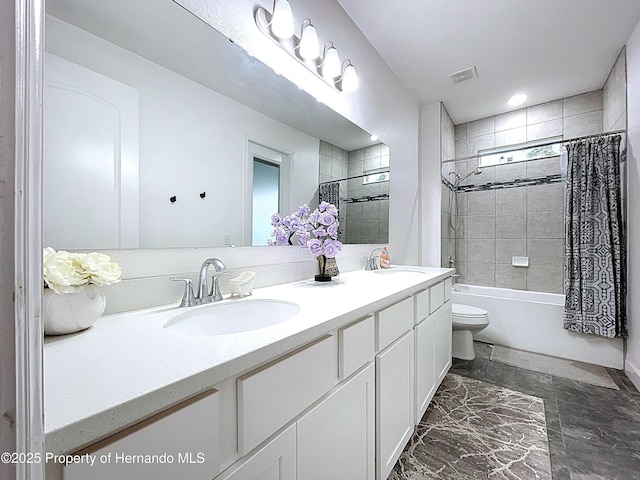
{"x": 323, "y": 277}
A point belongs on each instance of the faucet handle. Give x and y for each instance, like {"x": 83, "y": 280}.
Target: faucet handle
{"x": 188, "y": 299}
{"x": 215, "y": 294}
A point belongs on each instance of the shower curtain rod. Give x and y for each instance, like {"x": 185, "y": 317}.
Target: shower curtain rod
{"x": 518, "y": 146}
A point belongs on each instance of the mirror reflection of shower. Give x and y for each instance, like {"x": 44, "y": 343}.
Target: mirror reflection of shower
{"x": 453, "y": 196}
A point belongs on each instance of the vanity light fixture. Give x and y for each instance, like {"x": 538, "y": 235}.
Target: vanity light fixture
{"x": 349, "y": 77}
{"x": 282, "y": 19}
{"x": 309, "y": 47}
{"x": 278, "y": 26}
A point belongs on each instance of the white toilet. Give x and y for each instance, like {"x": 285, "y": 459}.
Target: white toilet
{"x": 465, "y": 321}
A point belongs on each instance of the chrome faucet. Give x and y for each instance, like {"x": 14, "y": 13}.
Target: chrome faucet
{"x": 371, "y": 261}
{"x": 204, "y": 295}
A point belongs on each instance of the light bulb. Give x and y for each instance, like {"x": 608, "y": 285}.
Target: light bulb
{"x": 282, "y": 20}
{"x": 309, "y": 48}
{"x": 331, "y": 63}
{"x": 517, "y": 99}
{"x": 350, "y": 81}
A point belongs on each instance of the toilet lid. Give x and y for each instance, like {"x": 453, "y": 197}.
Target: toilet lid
{"x": 467, "y": 311}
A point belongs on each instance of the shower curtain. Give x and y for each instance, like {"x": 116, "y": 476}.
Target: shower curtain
{"x": 595, "y": 265}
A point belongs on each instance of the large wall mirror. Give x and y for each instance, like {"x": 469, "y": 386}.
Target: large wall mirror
{"x": 154, "y": 121}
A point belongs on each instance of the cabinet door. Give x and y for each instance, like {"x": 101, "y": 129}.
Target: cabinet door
{"x": 179, "y": 443}
{"x": 425, "y": 365}
{"x": 394, "y": 402}
{"x": 275, "y": 461}
{"x": 443, "y": 340}
{"x": 336, "y": 438}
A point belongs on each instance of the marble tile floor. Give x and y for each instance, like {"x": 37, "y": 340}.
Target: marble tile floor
{"x": 594, "y": 432}
{"x": 475, "y": 430}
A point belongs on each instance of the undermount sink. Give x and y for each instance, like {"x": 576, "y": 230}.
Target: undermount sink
{"x": 232, "y": 317}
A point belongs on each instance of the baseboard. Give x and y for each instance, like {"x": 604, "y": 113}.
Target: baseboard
{"x": 633, "y": 373}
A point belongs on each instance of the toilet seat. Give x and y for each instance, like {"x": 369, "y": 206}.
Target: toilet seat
{"x": 460, "y": 310}
{"x": 462, "y": 315}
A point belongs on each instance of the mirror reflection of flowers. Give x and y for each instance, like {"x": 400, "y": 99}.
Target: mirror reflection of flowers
{"x": 68, "y": 272}
{"x": 317, "y": 230}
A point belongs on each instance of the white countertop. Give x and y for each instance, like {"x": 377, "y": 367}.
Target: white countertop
{"x": 128, "y": 367}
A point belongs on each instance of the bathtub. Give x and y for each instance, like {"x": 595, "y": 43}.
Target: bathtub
{"x": 532, "y": 321}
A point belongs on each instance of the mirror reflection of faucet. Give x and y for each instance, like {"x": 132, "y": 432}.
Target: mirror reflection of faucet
{"x": 204, "y": 295}
{"x": 373, "y": 261}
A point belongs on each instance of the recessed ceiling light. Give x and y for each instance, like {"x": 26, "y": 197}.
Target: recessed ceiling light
{"x": 517, "y": 99}
{"x": 374, "y": 138}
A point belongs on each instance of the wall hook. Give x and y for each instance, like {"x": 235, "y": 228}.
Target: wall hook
{"x": 203, "y": 194}
{"x": 172, "y": 199}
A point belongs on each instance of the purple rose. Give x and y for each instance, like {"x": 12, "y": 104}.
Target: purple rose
{"x": 331, "y": 248}
{"x": 282, "y": 239}
{"x": 319, "y": 232}
{"x": 332, "y": 229}
{"x": 286, "y": 221}
{"x": 276, "y": 219}
{"x": 294, "y": 224}
{"x": 327, "y": 218}
{"x": 323, "y": 206}
{"x": 303, "y": 210}
{"x": 315, "y": 247}
{"x": 332, "y": 210}
{"x": 303, "y": 238}
{"x": 314, "y": 217}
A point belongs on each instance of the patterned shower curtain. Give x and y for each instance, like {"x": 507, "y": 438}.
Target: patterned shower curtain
{"x": 595, "y": 264}
{"x": 330, "y": 192}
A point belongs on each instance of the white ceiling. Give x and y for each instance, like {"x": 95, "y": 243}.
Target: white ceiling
{"x": 549, "y": 49}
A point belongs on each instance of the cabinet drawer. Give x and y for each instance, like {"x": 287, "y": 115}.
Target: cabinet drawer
{"x": 447, "y": 289}
{"x": 436, "y": 297}
{"x": 181, "y": 437}
{"x": 357, "y": 346}
{"x": 273, "y": 395}
{"x": 393, "y": 322}
{"x": 422, "y": 305}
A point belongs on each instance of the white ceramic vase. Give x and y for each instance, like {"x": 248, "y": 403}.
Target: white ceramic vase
{"x": 72, "y": 312}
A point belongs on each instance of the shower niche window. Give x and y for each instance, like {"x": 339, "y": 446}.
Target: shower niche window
{"x": 520, "y": 153}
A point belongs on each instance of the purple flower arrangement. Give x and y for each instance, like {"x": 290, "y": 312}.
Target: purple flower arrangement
{"x": 317, "y": 230}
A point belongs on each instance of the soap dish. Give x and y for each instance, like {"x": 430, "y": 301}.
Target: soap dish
{"x": 242, "y": 284}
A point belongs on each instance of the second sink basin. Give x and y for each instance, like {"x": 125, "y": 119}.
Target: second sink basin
{"x": 232, "y": 317}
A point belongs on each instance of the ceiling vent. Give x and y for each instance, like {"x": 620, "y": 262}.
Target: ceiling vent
{"x": 466, "y": 74}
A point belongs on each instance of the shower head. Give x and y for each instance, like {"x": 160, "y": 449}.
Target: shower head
{"x": 475, "y": 171}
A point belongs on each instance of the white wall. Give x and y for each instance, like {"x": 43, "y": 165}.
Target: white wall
{"x": 632, "y": 363}
{"x": 192, "y": 140}
{"x": 431, "y": 194}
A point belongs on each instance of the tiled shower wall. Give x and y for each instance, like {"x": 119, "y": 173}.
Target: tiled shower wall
{"x": 496, "y": 224}
{"x": 360, "y": 221}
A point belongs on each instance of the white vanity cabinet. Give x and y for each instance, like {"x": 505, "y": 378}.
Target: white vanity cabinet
{"x": 336, "y": 439}
{"x": 432, "y": 342}
{"x": 179, "y": 443}
{"x": 274, "y": 461}
{"x": 394, "y": 384}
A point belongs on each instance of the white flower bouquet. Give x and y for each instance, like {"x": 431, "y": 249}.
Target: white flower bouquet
{"x": 68, "y": 272}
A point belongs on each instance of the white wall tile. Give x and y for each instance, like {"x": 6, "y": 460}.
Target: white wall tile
{"x": 545, "y": 224}
{"x": 511, "y": 171}
{"x": 461, "y": 148}
{"x": 546, "y": 251}
{"x": 508, "y": 276}
{"x": 482, "y": 203}
{"x": 461, "y": 131}
{"x": 545, "y": 279}
{"x": 482, "y": 142}
{"x": 482, "y": 226}
{"x": 544, "y": 112}
{"x": 511, "y": 225}
{"x": 506, "y": 248}
{"x": 551, "y": 128}
{"x": 482, "y": 250}
{"x": 584, "y": 124}
{"x": 544, "y": 198}
{"x": 480, "y": 127}
{"x": 586, "y": 102}
{"x": 511, "y": 120}
{"x": 511, "y": 200}
{"x": 511, "y": 137}
{"x": 544, "y": 167}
